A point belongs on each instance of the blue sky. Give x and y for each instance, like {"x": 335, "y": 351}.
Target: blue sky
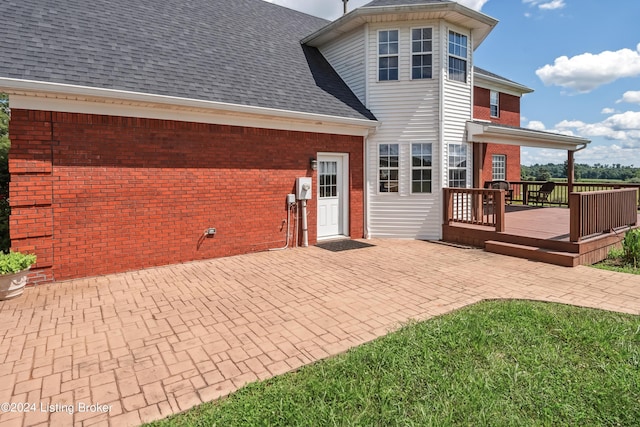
{"x": 582, "y": 58}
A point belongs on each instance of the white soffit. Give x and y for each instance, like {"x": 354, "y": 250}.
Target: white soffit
{"x": 496, "y": 134}
{"x": 479, "y": 23}
{"x": 31, "y": 95}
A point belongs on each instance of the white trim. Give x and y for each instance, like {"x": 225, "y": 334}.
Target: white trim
{"x": 387, "y": 193}
{"x": 478, "y": 22}
{"x": 492, "y": 83}
{"x": 26, "y": 94}
{"x": 411, "y": 53}
{"x": 497, "y": 104}
{"x": 344, "y": 198}
{"x": 367, "y": 50}
{"x": 378, "y": 55}
{"x": 466, "y": 59}
{"x": 502, "y": 160}
{"x": 488, "y": 133}
{"x": 421, "y": 168}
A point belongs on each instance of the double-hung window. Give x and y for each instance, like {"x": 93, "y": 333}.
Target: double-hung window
{"x": 499, "y": 167}
{"x": 421, "y": 53}
{"x": 494, "y": 103}
{"x": 389, "y": 165}
{"x": 421, "y": 164}
{"x": 457, "y": 57}
{"x": 457, "y": 165}
{"x": 387, "y": 55}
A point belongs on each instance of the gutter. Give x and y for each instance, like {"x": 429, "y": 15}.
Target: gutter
{"x": 61, "y": 90}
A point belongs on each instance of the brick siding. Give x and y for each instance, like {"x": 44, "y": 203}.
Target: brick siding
{"x": 93, "y": 194}
{"x": 510, "y": 116}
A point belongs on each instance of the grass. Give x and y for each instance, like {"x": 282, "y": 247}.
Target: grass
{"x": 616, "y": 262}
{"x": 499, "y": 363}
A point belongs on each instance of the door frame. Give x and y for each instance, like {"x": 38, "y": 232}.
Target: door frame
{"x": 344, "y": 194}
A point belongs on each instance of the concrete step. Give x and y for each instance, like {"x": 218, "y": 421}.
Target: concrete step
{"x": 564, "y": 259}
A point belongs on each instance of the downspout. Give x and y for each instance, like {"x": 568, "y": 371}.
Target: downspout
{"x": 365, "y": 145}
{"x": 443, "y": 163}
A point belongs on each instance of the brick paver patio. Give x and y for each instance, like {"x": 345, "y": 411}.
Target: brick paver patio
{"x": 147, "y": 344}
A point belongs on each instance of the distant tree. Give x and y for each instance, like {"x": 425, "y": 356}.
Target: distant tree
{"x": 543, "y": 175}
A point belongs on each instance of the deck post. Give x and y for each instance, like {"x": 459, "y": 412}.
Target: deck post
{"x": 570, "y": 174}
{"x": 499, "y": 209}
{"x": 448, "y": 206}
{"x": 575, "y": 212}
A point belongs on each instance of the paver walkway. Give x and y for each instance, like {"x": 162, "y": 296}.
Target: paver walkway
{"x": 151, "y": 343}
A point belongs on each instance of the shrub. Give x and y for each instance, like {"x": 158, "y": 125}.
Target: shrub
{"x": 631, "y": 247}
{"x": 14, "y": 262}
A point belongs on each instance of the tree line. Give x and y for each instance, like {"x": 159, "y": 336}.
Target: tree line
{"x": 614, "y": 172}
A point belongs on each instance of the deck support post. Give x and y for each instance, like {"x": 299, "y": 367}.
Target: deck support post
{"x": 570, "y": 174}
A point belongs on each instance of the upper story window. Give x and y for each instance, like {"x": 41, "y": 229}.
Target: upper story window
{"x": 388, "y": 55}
{"x": 421, "y": 164}
{"x": 389, "y": 166}
{"x": 457, "y": 165}
{"x": 421, "y": 53}
{"x": 494, "y": 103}
{"x": 457, "y": 57}
{"x": 499, "y": 167}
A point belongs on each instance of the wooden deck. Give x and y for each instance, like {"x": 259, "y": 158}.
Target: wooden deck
{"x": 536, "y": 233}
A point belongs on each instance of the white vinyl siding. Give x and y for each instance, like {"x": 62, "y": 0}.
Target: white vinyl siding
{"x": 346, "y": 55}
{"x": 408, "y": 111}
{"x": 457, "y": 110}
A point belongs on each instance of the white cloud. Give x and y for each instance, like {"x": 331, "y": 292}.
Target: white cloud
{"x": 631, "y": 97}
{"x": 473, "y": 4}
{"x": 586, "y": 72}
{"x": 536, "y": 125}
{"x": 552, "y": 5}
{"x": 607, "y": 111}
{"x": 622, "y": 127}
{"x": 546, "y": 4}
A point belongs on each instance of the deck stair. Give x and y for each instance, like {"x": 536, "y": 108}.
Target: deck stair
{"x": 534, "y": 253}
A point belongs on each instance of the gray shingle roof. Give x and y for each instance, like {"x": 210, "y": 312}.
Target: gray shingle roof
{"x": 484, "y": 72}
{"x": 244, "y": 52}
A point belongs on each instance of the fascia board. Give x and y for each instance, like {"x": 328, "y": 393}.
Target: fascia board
{"x": 29, "y": 94}
{"x": 523, "y": 137}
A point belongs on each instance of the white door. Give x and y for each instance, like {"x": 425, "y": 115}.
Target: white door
{"x": 330, "y": 197}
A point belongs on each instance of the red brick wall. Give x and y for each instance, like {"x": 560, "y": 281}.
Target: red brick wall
{"x": 509, "y": 107}
{"x": 97, "y": 194}
{"x": 513, "y": 161}
{"x": 510, "y": 116}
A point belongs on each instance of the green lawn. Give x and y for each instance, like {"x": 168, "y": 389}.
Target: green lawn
{"x": 497, "y": 363}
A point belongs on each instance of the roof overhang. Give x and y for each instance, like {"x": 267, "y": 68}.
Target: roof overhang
{"x": 34, "y": 95}
{"x": 493, "y": 83}
{"x": 497, "y": 134}
{"x": 479, "y": 23}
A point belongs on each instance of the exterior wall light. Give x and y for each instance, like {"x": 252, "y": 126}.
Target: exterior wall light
{"x": 313, "y": 163}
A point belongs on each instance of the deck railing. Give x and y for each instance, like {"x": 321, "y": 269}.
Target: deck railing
{"x": 475, "y": 206}
{"x": 560, "y": 195}
{"x": 595, "y": 212}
